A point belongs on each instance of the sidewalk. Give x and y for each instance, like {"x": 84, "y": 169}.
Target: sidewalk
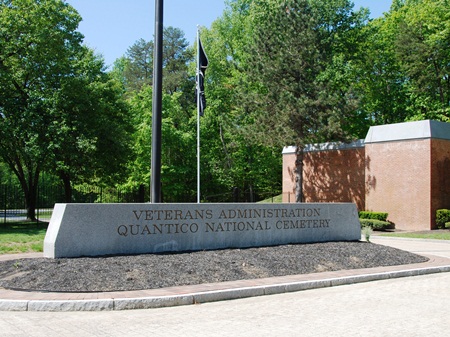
{"x": 418, "y": 246}
{"x": 437, "y": 251}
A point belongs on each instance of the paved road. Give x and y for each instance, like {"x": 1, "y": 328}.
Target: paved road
{"x": 414, "y": 306}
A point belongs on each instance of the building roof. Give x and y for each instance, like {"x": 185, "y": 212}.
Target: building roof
{"x": 386, "y": 133}
{"x": 407, "y": 131}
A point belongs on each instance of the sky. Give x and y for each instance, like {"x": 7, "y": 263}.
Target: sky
{"x": 110, "y": 27}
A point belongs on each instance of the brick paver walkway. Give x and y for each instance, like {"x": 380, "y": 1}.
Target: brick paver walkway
{"x": 411, "y": 306}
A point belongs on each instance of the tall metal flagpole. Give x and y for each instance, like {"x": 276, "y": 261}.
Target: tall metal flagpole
{"x": 198, "y": 114}
{"x": 157, "y": 104}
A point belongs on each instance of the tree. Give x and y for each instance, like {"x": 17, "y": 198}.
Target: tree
{"x": 230, "y": 160}
{"x": 178, "y": 105}
{"x": 38, "y": 42}
{"x": 176, "y": 55}
{"x": 422, "y": 45}
{"x": 59, "y": 111}
{"x": 138, "y": 64}
{"x": 290, "y": 93}
{"x": 404, "y": 73}
{"x": 379, "y": 79}
{"x": 178, "y": 150}
{"x": 138, "y": 69}
{"x": 91, "y": 127}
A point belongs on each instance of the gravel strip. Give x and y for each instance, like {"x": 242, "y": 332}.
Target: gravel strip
{"x": 151, "y": 271}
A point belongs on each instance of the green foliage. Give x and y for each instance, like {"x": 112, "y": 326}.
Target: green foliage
{"x": 280, "y": 73}
{"x": 178, "y": 172}
{"x": 367, "y": 232}
{"x": 373, "y": 215}
{"x": 175, "y": 69}
{"x": 273, "y": 199}
{"x": 38, "y": 45}
{"x": 61, "y": 112}
{"x": 136, "y": 68}
{"x": 92, "y": 128}
{"x": 293, "y": 85}
{"x": 376, "y": 224}
{"x": 422, "y": 44}
{"x": 300, "y": 90}
{"x": 442, "y": 218}
{"x": 375, "y": 220}
{"x": 379, "y": 81}
{"x": 404, "y": 74}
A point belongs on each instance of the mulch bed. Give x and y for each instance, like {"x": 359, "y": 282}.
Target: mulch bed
{"x": 151, "y": 271}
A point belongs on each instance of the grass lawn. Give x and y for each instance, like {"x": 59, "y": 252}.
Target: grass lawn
{"x": 275, "y": 199}
{"x": 436, "y": 235}
{"x": 22, "y": 238}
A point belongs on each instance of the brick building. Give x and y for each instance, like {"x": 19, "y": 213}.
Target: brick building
{"x": 402, "y": 169}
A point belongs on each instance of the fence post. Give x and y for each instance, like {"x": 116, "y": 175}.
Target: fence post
{"x": 37, "y": 204}
{"x": 235, "y": 194}
{"x": 5, "y": 204}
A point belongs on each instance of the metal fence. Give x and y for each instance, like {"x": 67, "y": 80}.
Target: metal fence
{"x": 243, "y": 195}
{"x": 13, "y": 206}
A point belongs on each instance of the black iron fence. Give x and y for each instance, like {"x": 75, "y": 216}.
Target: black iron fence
{"x": 13, "y": 206}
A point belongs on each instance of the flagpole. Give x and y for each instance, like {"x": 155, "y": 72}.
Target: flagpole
{"x": 198, "y": 114}
{"x": 155, "y": 195}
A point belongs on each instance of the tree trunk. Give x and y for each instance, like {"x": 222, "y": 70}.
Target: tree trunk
{"x": 28, "y": 176}
{"x": 67, "y": 187}
{"x": 299, "y": 173}
{"x": 29, "y": 187}
{"x": 30, "y": 199}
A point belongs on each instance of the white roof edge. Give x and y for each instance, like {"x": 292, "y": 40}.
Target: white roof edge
{"x": 289, "y": 149}
{"x": 384, "y": 133}
{"x": 407, "y": 131}
{"x": 326, "y": 146}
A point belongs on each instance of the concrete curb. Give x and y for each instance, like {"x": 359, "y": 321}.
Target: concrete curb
{"x": 212, "y": 295}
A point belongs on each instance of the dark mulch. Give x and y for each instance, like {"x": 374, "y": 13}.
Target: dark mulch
{"x": 152, "y": 271}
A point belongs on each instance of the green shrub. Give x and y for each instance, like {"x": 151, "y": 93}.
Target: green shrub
{"x": 442, "y": 217}
{"x": 376, "y": 224}
{"x": 367, "y": 232}
{"x": 373, "y": 215}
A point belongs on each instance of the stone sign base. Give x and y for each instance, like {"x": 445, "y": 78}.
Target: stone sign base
{"x": 77, "y": 230}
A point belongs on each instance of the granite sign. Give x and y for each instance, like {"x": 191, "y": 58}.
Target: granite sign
{"x": 105, "y": 229}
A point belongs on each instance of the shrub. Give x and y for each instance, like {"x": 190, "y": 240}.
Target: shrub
{"x": 442, "y": 217}
{"x": 376, "y": 224}
{"x": 373, "y": 215}
{"x": 367, "y": 232}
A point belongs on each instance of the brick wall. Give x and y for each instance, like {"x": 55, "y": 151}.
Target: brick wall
{"x": 288, "y": 174}
{"x": 398, "y": 182}
{"x": 440, "y": 176}
{"x": 332, "y": 174}
{"x": 402, "y": 169}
